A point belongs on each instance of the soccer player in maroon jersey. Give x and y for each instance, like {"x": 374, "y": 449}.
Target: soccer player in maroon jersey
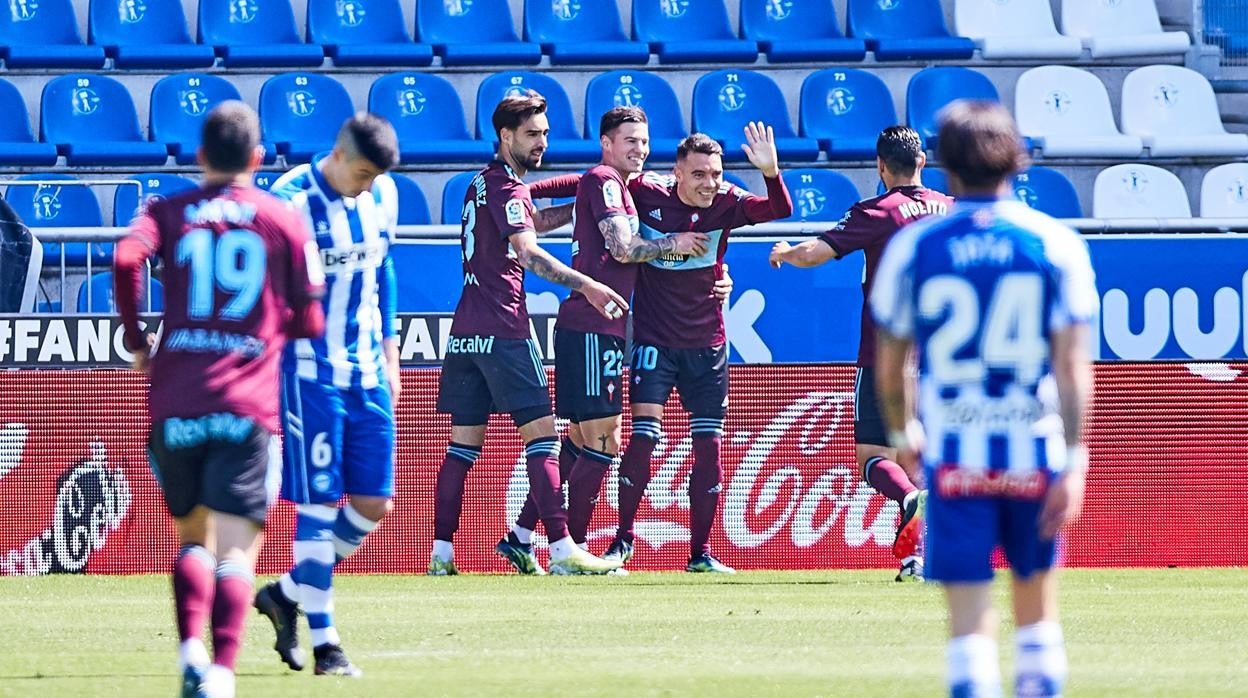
{"x": 868, "y": 226}
{"x": 678, "y": 323}
{"x": 241, "y": 276}
{"x": 492, "y": 364}
{"x": 589, "y": 349}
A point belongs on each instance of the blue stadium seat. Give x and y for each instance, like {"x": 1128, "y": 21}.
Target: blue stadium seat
{"x": 635, "y": 88}
{"x": 1226, "y": 26}
{"x": 55, "y": 205}
{"x": 146, "y": 34}
{"x": 1049, "y": 191}
{"x": 44, "y": 34}
{"x": 453, "y": 193}
{"x": 690, "y": 31}
{"x": 473, "y": 32}
{"x": 932, "y": 178}
{"x": 819, "y": 195}
{"x": 905, "y": 30}
{"x": 17, "y": 143}
{"x": 256, "y": 34}
{"x": 790, "y": 32}
{"x": 301, "y": 113}
{"x": 100, "y": 288}
{"x": 92, "y": 121}
{"x": 413, "y": 210}
{"x": 736, "y": 179}
{"x": 129, "y": 199}
{"x": 177, "y": 109}
{"x": 845, "y": 109}
{"x": 566, "y": 144}
{"x": 428, "y": 117}
{"x": 575, "y": 32}
{"x": 931, "y": 89}
{"x": 360, "y": 33}
{"x": 725, "y": 100}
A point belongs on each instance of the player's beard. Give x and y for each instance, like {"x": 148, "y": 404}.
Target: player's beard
{"x": 527, "y": 159}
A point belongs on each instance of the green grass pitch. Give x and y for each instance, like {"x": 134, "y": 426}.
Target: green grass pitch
{"x": 1164, "y": 632}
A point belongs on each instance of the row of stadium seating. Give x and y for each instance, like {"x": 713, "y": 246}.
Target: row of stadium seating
{"x": 91, "y": 120}
{"x": 147, "y": 34}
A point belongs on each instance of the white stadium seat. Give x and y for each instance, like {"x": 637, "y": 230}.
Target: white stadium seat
{"x": 1120, "y": 28}
{"x": 1014, "y": 29}
{"x": 1173, "y": 110}
{"x": 1066, "y": 113}
{"x": 1139, "y": 191}
{"x": 1224, "y": 191}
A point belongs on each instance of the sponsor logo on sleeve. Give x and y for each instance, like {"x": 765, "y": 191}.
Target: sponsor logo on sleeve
{"x": 515, "y": 212}
{"x": 611, "y": 195}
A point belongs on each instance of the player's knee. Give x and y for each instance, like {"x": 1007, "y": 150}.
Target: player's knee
{"x": 373, "y": 508}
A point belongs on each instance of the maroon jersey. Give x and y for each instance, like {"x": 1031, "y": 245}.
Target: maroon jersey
{"x": 241, "y": 275}
{"x": 601, "y": 194}
{"x": 674, "y": 304}
{"x": 497, "y": 205}
{"x": 868, "y": 226}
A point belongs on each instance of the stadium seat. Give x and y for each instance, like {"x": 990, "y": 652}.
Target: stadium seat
{"x": 635, "y": 88}
{"x": 1226, "y": 26}
{"x": 1122, "y": 28}
{"x": 790, "y": 32}
{"x": 17, "y": 143}
{"x": 474, "y": 32}
{"x": 264, "y": 179}
{"x": 256, "y": 34}
{"x": 428, "y": 117}
{"x": 359, "y": 33}
{"x": 1049, "y": 191}
{"x": 581, "y": 33}
{"x": 56, "y": 205}
{"x": 1174, "y": 111}
{"x": 301, "y": 113}
{"x": 1224, "y": 191}
{"x": 1139, "y": 191}
{"x": 413, "y": 210}
{"x": 738, "y": 180}
{"x": 1014, "y": 29}
{"x": 819, "y": 195}
{"x": 100, "y": 289}
{"x": 566, "y": 144}
{"x": 690, "y": 31}
{"x": 92, "y": 121}
{"x": 904, "y": 31}
{"x": 177, "y": 109}
{"x": 1065, "y": 112}
{"x": 931, "y": 89}
{"x": 146, "y": 35}
{"x": 128, "y": 200}
{"x": 845, "y": 109}
{"x": 453, "y": 193}
{"x": 725, "y": 100}
{"x": 44, "y": 34}
{"x": 932, "y": 177}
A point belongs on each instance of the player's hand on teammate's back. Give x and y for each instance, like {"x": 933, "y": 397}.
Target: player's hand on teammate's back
{"x": 691, "y": 243}
{"x": 142, "y": 360}
{"x": 723, "y": 285}
{"x": 760, "y": 148}
{"x": 776, "y": 258}
{"x": 606, "y": 301}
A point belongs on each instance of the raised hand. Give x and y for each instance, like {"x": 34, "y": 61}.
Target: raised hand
{"x": 760, "y": 148}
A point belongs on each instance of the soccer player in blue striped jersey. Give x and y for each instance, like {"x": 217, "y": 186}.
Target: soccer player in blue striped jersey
{"x": 339, "y": 391}
{"x": 996, "y": 301}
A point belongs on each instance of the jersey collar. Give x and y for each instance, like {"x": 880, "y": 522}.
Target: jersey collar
{"x": 323, "y": 184}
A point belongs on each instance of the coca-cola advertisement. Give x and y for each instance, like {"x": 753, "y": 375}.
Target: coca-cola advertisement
{"x": 1169, "y": 444}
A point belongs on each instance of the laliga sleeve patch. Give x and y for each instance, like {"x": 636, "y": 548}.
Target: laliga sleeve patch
{"x": 611, "y": 195}
{"x": 515, "y": 212}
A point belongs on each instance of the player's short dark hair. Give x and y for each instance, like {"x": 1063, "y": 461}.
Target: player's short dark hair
{"x": 618, "y": 116}
{"x": 372, "y": 138}
{"x": 514, "y": 110}
{"x": 698, "y": 143}
{"x": 900, "y": 148}
{"x": 230, "y": 135}
{"x": 979, "y": 143}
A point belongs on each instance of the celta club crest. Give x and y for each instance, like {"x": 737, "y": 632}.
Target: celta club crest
{"x": 1026, "y": 195}
{"x": 731, "y": 97}
{"x": 243, "y": 11}
{"x": 810, "y": 202}
{"x": 628, "y": 95}
{"x": 1238, "y": 191}
{"x": 1111, "y": 3}
{"x": 779, "y": 9}
{"x": 565, "y": 9}
{"x": 47, "y": 202}
{"x": 84, "y": 101}
{"x": 23, "y": 10}
{"x": 888, "y": 4}
{"x": 457, "y": 8}
{"x": 1135, "y": 182}
{"x": 674, "y": 8}
{"x": 1166, "y": 94}
{"x": 350, "y": 12}
{"x": 193, "y": 102}
{"x": 411, "y": 101}
{"x": 1058, "y": 102}
{"x": 840, "y": 101}
{"x": 515, "y": 91}
{"x": 131, "y": 11}
{"x": 301, "y": 102}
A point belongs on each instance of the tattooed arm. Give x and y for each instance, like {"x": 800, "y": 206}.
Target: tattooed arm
{"x": 628, "y": 248}
{"x": 542, "y": 263}
{"x": 551, "y": 217}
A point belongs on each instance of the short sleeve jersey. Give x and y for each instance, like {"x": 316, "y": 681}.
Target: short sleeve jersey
{"x": 868, "y": 226}
{"x": 225, "y": 324}
{"x": 600, "y": 194}
{"x": 497, "y": 205}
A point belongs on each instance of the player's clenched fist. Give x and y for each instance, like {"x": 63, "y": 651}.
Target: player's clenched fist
{"x": 608, "y": 302}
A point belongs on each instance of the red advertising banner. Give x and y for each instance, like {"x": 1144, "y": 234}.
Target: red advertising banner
{"x": 1169, "y": 445}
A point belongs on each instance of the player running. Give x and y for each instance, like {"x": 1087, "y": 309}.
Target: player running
{"x": 241, "y": 276}
{"x": 868, "y": 226}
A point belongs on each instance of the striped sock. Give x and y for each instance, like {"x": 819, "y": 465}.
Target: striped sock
{"x": 229, "y": 610}
{"x": 974, "y": 669}
{"x": 449, "y": 496}
{"x": 313, "y": 572}
{"x": 584, "y": 484}
{"x": 704, "y": 481}
{"x": 635, "y": 471}
{"x": 1040, "y": 664}
{"x": 350, "y": 528}
{"x": 541, "y": 456}
{"x": 193, "y": 584}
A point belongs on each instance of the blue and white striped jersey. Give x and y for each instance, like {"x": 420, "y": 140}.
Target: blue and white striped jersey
{"x": 980, "y": 292}
{"x": 354, "y": 236}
